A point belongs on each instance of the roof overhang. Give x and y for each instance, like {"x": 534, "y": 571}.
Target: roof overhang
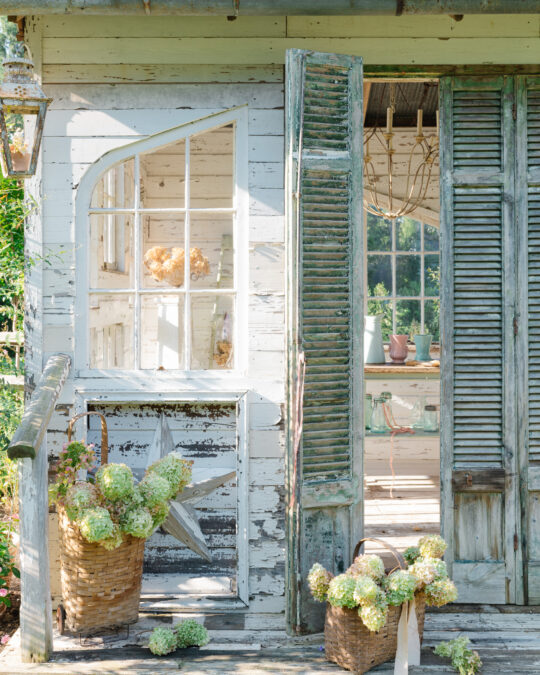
{"x": 233, "y": 8}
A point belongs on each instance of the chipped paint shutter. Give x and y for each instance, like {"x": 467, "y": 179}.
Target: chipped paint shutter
{"x": 528, "y": 361}
{"x": 479, "y": 495}
{"x": 324, "y": 211}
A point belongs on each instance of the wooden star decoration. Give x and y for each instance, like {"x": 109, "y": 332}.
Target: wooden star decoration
{"x": 182, "y": 521}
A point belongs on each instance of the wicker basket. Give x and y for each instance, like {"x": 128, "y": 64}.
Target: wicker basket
{"x": 100, "y": 589}
{"x": 351, "y": 645}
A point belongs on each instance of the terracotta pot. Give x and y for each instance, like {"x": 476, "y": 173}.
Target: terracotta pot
{"x": 398, "y": 348}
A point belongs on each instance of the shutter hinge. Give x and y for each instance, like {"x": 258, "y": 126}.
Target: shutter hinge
{"x": 516, "y": 541}
{"x": 514, "y": 112}
{"x": 516, "y": 325}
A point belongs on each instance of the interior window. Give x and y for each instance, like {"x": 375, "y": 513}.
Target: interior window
{"x": 403, "y": 275}
{"x": 152, "y": 304}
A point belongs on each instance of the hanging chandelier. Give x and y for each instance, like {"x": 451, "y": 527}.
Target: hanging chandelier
{"x": 380, "y": 197}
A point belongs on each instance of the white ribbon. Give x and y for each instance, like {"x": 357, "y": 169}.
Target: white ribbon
{"x": 408, "y": 639}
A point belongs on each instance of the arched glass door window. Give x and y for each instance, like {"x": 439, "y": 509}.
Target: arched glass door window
{"x": 152, "y": 305}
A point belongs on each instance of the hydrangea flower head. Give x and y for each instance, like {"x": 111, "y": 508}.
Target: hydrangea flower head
{"x": 154, "y": 489}
{"x": 79, "y": 497}
{"x": 115, "y": 481}
{"x": 365, "y": 590}
{"x": 441, "y": 592}
{"x": 423, "y": 571}
{"x": 432, "y": 546}
{"x": 374, "y": 614}
{"x": 162, "y": 641}
{"x": 341, "y": 591}
{"x": 138, "y": 522}
{"x": 175, "y": 469}
{"x": 96, "y": 524}
{"x": 400, "y": 587}
{"x": 114, "y": 540}
{"x": 318, "y": 581}
{"x": 189, "y": 633}
{"x": 411, "y": 554}
{"x": 160, "y": 513}
{"x": 367, "y": 565}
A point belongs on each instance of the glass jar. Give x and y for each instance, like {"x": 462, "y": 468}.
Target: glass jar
{"x": 418, "y": 412}
{"x": 368, "y": 410}
{"x": 378, "y": 419}
{"x": 431, "y": 420}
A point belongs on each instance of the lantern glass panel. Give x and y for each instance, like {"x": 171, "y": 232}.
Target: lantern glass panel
{"x": 21, "y": 125}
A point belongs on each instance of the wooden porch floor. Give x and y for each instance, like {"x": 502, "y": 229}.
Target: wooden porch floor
{"x": 507, "y": 638}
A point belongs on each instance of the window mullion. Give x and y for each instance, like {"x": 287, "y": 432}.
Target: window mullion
{"x": 187, "y": 263}
{"x": 394, "y": 287}
{"x": 137, "y": 271}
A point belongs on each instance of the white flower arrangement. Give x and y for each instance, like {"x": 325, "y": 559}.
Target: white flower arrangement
{"x": 115, "y": 481}
{"x": 154, "y": 490}
{"x": 367, "y": 565}
{"x": 138, "y": 522}
{"x": 96, "y": 524}
{"x": 319, "y": 580}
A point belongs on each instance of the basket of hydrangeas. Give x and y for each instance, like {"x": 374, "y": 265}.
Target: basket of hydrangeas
{"x": 365, "y": 603}
{"x": 104, "y": 521}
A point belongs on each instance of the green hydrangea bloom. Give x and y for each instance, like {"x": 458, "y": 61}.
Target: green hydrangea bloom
{"x": 341, "y": 591}
{"x": 367, "y": 565}
{"x": 115, "y": 481}
{"x": 175, "y": 469}
{"x": 318, "y": 581}
{"x": 160, "y": 513}
{"x": 423, "y": 571}
{"x": 411, "y": 554}
{"x": 366, "y": 590}
{"x": 95, "y": 524}
{"x": 374, "y": 614}
{"x": 154, "y": 489}
{"x": 432, "y": 546}
{"x": 189, "y": 633}
{"x": 162, "y": 641}
{"x": 79, "y": 497}
{"x": 114, "y": 540}
{"x": 441, "y": 592}
{"x": 138, "y": 522}
{"x": 400, "y": 587}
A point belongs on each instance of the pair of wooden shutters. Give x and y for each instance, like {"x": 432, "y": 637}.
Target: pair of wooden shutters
{"x": 490, "y": 322}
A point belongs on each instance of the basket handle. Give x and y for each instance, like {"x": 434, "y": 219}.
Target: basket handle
{"x": 397, "y": 555}
{"x": 104, "y": 433}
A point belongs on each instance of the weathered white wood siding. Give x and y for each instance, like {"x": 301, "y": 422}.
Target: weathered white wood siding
{"x": 116, "y": 80}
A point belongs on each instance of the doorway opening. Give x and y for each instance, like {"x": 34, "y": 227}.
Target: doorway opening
{"x": 402, "y": 281}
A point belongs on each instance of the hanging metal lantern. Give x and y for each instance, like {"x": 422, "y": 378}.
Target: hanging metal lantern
{"x": 22, "y": 114}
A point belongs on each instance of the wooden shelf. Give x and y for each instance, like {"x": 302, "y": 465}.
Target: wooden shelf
{"x": 417, "y": 434}
{"x": 403, "y": 371}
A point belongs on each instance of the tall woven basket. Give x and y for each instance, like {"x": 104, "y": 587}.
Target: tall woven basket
{"x": 350, "y": 644}
{"x": 100, "y": 589}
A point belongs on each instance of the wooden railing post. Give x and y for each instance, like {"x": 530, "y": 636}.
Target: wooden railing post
{"x": 29, "y": 446}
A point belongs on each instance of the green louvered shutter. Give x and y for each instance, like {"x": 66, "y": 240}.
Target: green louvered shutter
{"x": 324, "y": 216}
{"x": 528, "y": 222}
{"x": 479, "y": 490}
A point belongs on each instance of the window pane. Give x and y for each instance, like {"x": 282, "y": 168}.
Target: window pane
{"x": 162, "y": 331}
{"x": 111, "y": 331}
{"x": 383, "y": 307}
{"x": 212, "y": 321}
{"x": 212, "y": 253}
{"x": 163, "y": 177}
{"x": 163, "y": 250}
{"x": 407, "y": 234}
{"x": 432, "y": 276}
{"x": 21, "y": 127}
{"x": 114, "y": 190}
{"x": 408, "y": 274}
{"x": 211, "y": 169}
{"x": 379, "y": 233}
{"x": 408, "y": 316}
{"x": 431, "y": 318}
{"x": 111, "y": 251}
{"x": 431, "y": 238}
{"x": 379, "y": 275}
